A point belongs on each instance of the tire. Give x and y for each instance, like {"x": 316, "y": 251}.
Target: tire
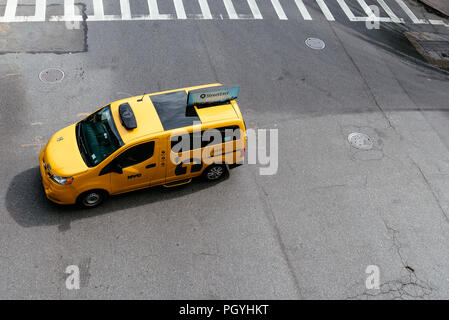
{"x": 215, "y": 172}
{"x": 92, "y": 198}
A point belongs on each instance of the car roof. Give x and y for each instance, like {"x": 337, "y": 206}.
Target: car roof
{"x": 167, "y": 110}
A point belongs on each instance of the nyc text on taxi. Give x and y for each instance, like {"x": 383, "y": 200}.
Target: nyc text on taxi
{"x": 164, "y": 138}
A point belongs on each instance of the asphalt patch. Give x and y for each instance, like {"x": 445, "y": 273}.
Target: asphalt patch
{"x": 45, "y": 37}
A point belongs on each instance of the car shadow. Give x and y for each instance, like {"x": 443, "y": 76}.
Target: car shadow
{"x": 27, "y": 205}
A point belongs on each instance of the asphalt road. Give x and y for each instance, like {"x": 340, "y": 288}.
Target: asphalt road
{"x": 309, "y": 231}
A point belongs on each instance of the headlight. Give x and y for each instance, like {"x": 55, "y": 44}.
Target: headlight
{"x": 61, "y": 180}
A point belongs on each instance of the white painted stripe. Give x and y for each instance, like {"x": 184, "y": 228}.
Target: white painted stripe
{"x": 205, "y": 9}
{"x": 255, "y": 9}
{"x": 438, "y": 23}
{"x": 10, "y": 11}
{"x": 370, "y": 14}
{"x": 327, "y": 13}
{"x": 98, "y": 9}
{"x": 279, "y": 11}
{"x": 230, "y": 9}
{"x": 302, "y": 8}
{"x": 39, "y": 12}
{"x": 125, "y": 9}
{"x": 390, "y": 12}
{"x": 347, "y": 11}
{"x": 180, "y": 11}
{"x": 410, "y": 13}
{"x": 69, "y": 10}
{"x": 154, "y": 11}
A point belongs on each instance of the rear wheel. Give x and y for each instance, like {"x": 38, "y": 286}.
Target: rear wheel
{"x": 92, "y": 198}
{"x": 214, "y": 172}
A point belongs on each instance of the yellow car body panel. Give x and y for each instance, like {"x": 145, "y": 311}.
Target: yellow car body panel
{"x": 61, "y": 156}
{"x": 63, "y": 153}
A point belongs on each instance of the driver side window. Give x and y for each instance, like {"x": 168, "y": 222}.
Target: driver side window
{"x": 135, "y": 155}
{"x": 131, "y": 157}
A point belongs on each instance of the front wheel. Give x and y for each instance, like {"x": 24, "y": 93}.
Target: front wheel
{"x": 92, "y": 198}
{"x": 214, "y": 172}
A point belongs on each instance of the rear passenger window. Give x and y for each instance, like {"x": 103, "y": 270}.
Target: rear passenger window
{"x": 230, "y": 133}
{"x": 136, "y": 154}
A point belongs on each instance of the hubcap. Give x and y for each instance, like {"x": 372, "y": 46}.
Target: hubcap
{"x": 92, "y": 199}
{"x": 215, "y": 173}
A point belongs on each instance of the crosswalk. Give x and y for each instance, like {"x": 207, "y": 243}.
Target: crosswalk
{"x": 354, "y": 10}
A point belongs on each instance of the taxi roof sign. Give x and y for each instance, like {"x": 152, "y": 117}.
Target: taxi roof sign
{"x": 212, "y": 95}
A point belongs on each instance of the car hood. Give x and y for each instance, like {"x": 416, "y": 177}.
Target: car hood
{"x": 63, "y": 155}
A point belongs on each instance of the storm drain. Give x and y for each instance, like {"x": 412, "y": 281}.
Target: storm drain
{"x": 51, "y": 75}
{"x": 360, "y": 141}
{"x": 315, "y": 43}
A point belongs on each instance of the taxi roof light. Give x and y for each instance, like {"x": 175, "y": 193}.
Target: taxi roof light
{"x": 127, "y": 116}
{"x": 212, "y": 95}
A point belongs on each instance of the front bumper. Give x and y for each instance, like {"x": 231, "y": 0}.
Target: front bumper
{"x": 54, "y": 192}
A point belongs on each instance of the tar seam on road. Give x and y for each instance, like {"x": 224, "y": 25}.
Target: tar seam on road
{"x": 277, "y": 234}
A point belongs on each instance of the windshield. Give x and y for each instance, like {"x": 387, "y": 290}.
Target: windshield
{"x": 98, "y": 137}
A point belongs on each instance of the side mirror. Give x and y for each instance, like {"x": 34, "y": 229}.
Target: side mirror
{"x": 118, "y": 169}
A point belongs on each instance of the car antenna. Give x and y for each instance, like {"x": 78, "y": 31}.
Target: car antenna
{"x": 140, "y": 100}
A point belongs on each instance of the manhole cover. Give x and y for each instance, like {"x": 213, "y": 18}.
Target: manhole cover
{"x": 51, "y": 75}
{"x": 360, "y": 141}
{"x": 315, "y": 43}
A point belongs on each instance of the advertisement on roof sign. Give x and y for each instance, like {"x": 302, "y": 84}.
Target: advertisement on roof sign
{"x": 212, "y": 95}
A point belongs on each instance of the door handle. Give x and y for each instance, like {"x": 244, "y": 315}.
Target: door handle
{"x": 152, "y": 165}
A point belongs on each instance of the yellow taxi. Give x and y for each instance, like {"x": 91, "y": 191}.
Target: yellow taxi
{"x": 164, "y": 138}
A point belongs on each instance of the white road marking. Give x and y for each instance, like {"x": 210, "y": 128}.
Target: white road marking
{"x": 154, "y": 11}
{"x": 327, "y": 13}
{"x": 438, "y": 23}
{"x": 370, "y": 14}
{"x": 69, "y": 13}
{"x": 40, "y": 10}
{"x": 72, "y": 15}
{"x": 10, "y": 10}
{"x": 255, "y": 9}
{"x": 69, "y": 10}
{"x": 180, "y": 11}
{"x": 410, "y": 13}
{"x": 302, "y": 8}
{"x": 279, "y": 11}
{"x": 205, "y": 9}
{"x": 391, "y": 14}
{"x": 348, "y": 11}
{"x": 98, "y": 9}
{"x": 125, "y": 9}
{"x": 230, "y": 9}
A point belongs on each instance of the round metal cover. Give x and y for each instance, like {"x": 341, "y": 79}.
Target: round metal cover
{"x": 360, "y": 141}
{"x": 51, "y": 75}
{"x": 315, "y": 43}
